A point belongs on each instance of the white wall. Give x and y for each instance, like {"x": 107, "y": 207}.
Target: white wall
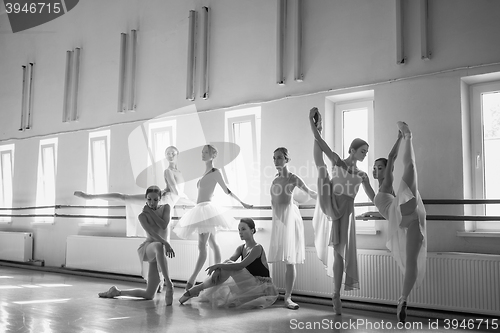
{"x": 349, "y": 45}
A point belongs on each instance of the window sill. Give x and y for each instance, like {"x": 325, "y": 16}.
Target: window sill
{"x": 488, "y": 234}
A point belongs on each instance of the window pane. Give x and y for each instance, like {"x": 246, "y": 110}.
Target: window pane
{"x": 100, "y": 168}
{"x": 491, "y": 144}
{"x": 6, "y": 181}
{"x": 355, "y": 123}
{"x": 243, "y": 136}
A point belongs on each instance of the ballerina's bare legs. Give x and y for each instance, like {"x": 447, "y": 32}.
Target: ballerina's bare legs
{"x": 414, "y": 237}
{"x": 324, "y": 197}
{"x": 154, "y": 251}
{"x": 203, "y": 239}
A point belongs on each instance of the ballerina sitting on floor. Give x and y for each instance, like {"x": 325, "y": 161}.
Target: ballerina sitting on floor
{"x": 242, "y": 285}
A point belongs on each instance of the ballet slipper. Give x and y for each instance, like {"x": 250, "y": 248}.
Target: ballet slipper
{"x": 403, "y": 127}
{"x": 401, "y": 310}
{"x": 187, "y": 295}
{"x": 337, "y": 304}
{"x": 289, "y": 304}
{"x": 169, "y": 296}
{"x": 111, "y": 293}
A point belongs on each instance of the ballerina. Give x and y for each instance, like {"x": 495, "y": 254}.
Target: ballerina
{"x": 243, "y": 285}
{"x": 287, "y": 236}
{"x": 155, "y": 250}
{"x": 205, "y": 219}
{"x": 405, "y": 214}
{"x": 334, "y": 218}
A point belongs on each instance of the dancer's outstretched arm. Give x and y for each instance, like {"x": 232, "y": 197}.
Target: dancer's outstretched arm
{"x": 368, "y": 187}
{"x": 332, "y": 156}
{"x": 386, "y": 186}
{"x": 113, "y": 196}
{"x": 222, "y": 184}
{"x": 300, "y": 184}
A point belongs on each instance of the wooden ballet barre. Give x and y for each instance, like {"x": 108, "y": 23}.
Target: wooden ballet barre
{"x": 444, "y": 218}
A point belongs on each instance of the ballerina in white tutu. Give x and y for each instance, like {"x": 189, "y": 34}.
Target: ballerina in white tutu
{"x": 242, "y": 285}
{"x": 334, "y": 219}
{"x": 155, "y": 249}
{"x": 287, "y": 237}
{"x": 405, "y": 213}
{"x": 206, "y": 218}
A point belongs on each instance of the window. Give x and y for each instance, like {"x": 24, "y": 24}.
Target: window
{"x": 485, "y": 138}
{"x": 6, "y": 176}
{"x": 46, "y": 179}
{"x": 161, "y": 135}
{"x": 243, "y": 128}
{"x": 98, "y": 171}
{"x": 353, "y": 118}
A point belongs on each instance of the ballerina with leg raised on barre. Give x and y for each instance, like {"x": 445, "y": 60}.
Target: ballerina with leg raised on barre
{"x": 334, "y": 219}
{"x": 155, "y": 249}
{"x": 405, "y": 213}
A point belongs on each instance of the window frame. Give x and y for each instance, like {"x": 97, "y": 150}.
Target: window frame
{"x": 7, "y": 150}
{"x": 477, "y": 155}
{"x": 41, "y": 193}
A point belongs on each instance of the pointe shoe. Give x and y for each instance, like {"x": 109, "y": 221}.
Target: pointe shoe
{"x": 403, "y": 127}
{"x": 187, "y": 295}
{"x": 111, "y": 293}
{"x": 169, "y": 296}
{"x": 401, "y": 311}
{"x": 337, "y": 304}
{"x": 289, "y": 304}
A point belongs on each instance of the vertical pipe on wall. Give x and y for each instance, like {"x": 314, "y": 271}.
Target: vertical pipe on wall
{"x": 299, "y": 75}
{"x": 23, "y": 99}
{"x": 400, "y": 56}
{"x": 131, "y": 105}
{"x": 67, "y": 85}
{"x": 280, "y": 41}
{"x": 191, "y": 61}
{"x": 204, "y": 52}
{"x": 424, "y": 29}
{"x": 75, "y": 75}
{"x": 122, "y": 72}
{"x": 29, "y": 103}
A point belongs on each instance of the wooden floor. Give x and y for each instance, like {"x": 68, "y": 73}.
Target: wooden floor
{"x": 42, "y": 302}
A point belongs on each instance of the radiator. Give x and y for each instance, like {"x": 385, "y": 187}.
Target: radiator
{"x": 119, "y": 255}
{"x": 16, "y": 246}
{"x": 459, "y": 282}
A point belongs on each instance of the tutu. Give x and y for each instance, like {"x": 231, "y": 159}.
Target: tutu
{"x": 388, "y": 206}
{"x": 336, "y": 198}
{"x": 205, "y": 217}
{"x": 241, "y": 291}
{"x": 287, "y": 237}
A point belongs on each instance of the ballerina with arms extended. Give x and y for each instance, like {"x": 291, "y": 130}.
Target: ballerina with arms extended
{"x": 405, "y": 214}
{"x": 334, "y": 218}
{"x": 206, "y": 218}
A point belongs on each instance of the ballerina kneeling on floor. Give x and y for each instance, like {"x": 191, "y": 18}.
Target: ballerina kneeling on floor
{"x": 243, "y": 285}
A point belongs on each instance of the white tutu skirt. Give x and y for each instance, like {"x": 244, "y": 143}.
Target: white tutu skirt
{"x": 205, "y": 217}
{"x": 389, "y": 206}
{"x": 241, "y": 291}
{"x": 287, "y": 237}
